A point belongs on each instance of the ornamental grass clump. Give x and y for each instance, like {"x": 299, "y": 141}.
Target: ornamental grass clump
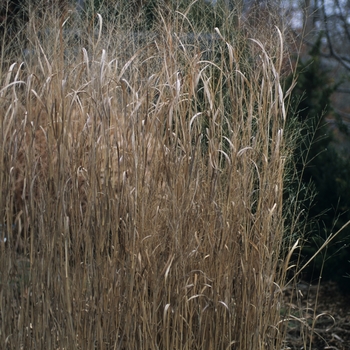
{"x": 142, "y": 188}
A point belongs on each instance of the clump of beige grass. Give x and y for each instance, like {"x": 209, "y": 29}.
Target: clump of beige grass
{"x": 142, "y": 191}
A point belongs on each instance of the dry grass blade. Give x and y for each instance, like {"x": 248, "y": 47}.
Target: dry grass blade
{"x": 142, "y": 186}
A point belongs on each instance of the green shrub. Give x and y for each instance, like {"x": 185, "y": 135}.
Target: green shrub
{"x": 320, "y": 164}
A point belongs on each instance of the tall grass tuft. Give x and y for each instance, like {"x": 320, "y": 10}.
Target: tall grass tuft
{"x": 142, "y": 181}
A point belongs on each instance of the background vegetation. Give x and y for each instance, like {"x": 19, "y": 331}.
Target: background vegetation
{"x": 324, "y": 166}
{"x": 143, "y": 177}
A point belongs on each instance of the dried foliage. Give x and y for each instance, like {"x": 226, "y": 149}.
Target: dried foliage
{"x": 142, "y": 188}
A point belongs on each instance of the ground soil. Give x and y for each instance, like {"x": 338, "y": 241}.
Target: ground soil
{"x": 320, "y": 318}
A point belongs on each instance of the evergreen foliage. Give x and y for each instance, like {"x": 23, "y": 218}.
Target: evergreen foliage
{"x": 320, "y": 164}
